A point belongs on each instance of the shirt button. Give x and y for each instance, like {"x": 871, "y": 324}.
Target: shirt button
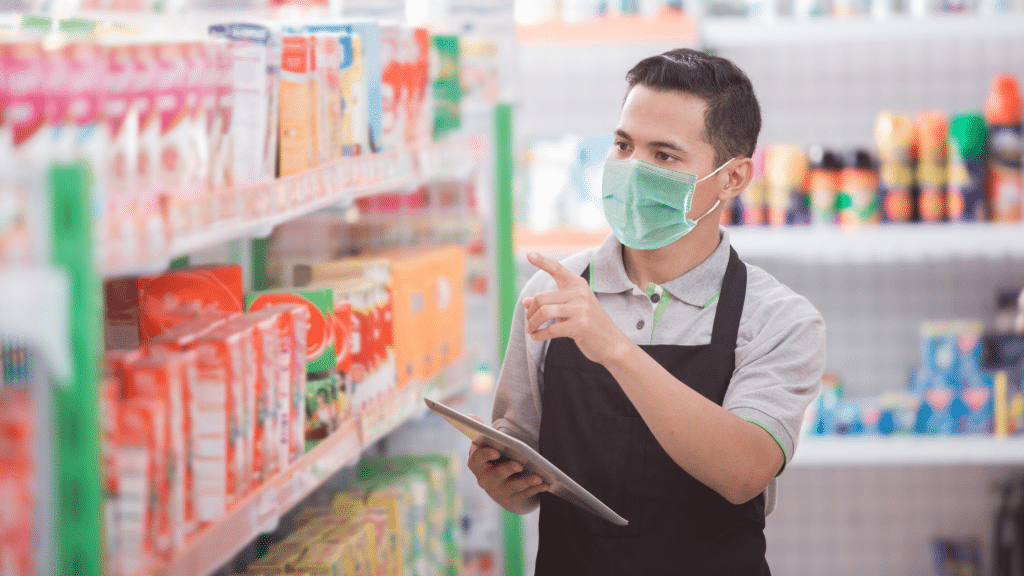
{"x": 640, "y": 325}
{"x": 655, "y": 298}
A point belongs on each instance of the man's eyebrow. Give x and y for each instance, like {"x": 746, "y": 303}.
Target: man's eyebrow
{"x": 622, "y": 134}
{"x": 665, "y": 144}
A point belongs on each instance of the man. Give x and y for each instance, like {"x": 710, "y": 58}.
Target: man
{"x": 657, "y": 370}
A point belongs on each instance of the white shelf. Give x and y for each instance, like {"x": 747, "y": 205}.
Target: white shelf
{"x": 260, "y": 511}
{"x": 882, "y": 243}
{"x": 739, "y": 33}
{"x": 908, "y": 451}
{"x": 337, "y": 183}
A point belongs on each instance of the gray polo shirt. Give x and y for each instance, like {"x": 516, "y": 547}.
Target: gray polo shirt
{"x": 780, "y": 348}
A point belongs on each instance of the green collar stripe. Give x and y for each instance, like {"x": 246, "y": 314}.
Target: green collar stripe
{"x": 711, "y": 300}
{"x": 659, "y": 310}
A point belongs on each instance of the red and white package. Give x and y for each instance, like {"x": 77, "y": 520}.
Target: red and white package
{"x": 140, "y": 468}
{"x": 17, "y": 483}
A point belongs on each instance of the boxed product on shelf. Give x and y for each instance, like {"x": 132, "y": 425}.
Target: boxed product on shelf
{"x": 320, "y": 354}
{"x": 140, "y": 490}
{"x": 446, "y": 86}
{"x": 117, "y": 170}
{"x": 370, "y": 138}
{"x": 139, "y": 309}
{"x": 272, "y": 371}
{"x": 255, "y": 54}
{"x": 406, "y": 106}
{"x": 17, "y": 439}
{"x": 218, "y": 458}
{"x": 326, "y": 65}
{"x": 176, "y": 165}
{"x": 161, "y": 378}
{"x": 249, "y": 384}
{"x": 355, "y": 127}
{"x": 144, "y": 94}
{"x": 420, "y": 128}
{"x": 322, "y": 416}
{"x": 1004, "y": 355}
{"x": 297, "y": 113}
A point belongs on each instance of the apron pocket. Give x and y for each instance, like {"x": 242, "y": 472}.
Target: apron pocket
{"x": 613, "y": 471}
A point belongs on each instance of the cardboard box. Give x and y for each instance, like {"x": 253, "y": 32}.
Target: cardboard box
{"x": 123, "y": 228}
{"x": 218, "y": 461}
{"x": 394, "y": 83}
{"x": 322, "y": 417}
{"x": 320, "y": 354}
{"x": 251, "y": 381}
{"x": 255, "y": 50}
{"x": 160, "y": 378}
{"x": 139, "y": 487}
{"x": 147, "y": 182}
{"x": 445, "y": 82}
{"x": 327, "y": 84}
{"x": 355, "y": 127}
{"x": 298, "y": 151}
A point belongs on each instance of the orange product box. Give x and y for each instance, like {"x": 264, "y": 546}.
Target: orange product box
{"x": 264, "y": 374}
{"x": 290, "y": 401}
{"x": 246, "y": 404}
{"x": 297, "y": 126}
{"x": 109, "y": 394}
{"x": 372, "y": 368}
{"x": 140, "y": 490}
{"x": 216, "y": 427}
{"x": 139, "y": 309}
{"x": 446, "y": 305}
{"x": 160, "y": 378}
{"x": 17, "y": 437}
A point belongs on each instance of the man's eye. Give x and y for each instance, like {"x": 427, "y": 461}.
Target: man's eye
{"x": 621, "y": 146}
{"x": 663, "y": 157}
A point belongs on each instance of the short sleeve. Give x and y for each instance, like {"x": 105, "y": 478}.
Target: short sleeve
{"x": 778, "y": 374}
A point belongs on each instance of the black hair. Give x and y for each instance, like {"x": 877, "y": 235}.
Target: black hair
{"x": 732, "y": 120}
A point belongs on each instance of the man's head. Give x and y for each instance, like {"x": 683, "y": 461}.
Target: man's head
{"x": 732, "y": 119}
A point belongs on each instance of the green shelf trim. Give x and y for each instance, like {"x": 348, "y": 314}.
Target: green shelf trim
{"x": 504, "y": 162}
{"x": 77, "y": 469}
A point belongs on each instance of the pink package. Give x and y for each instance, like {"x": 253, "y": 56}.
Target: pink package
{"x": 120, "y": 127}
{"x": 147, "y": 168}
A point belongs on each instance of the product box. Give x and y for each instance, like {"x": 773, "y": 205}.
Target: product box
{"x": 447, "y": 89}
{"x": 218, "y": 465}
{"x": 394, "y": 84}
{"x": 252, "y": 380}
{"x": 140, "y": 490}
{"x": 160, "y": 302}
{"x": 175, "y": 166}
{"x": 360, "y": 46}
{"x": 147, "y": 181}
{"x": 160, "y": 378}
{"x": 289, "y": 403}
{"x": 298, "y": 96}
{"x": 320, "y": 355}
{"x": 341, "y": 320}
{"x": 952, "y": 348}
{"x": 255, "y": 51}
{"x": 17, "y": 440}
{"x": 120, "y": 127}
{"x": 273, "y": 376}
{"x": 419, "y": 129}
{"x": 322, "y": 417}
{"x": 327, "y": 89}
{"x": 446, "y": 306}
{"x": 109, "y": 400}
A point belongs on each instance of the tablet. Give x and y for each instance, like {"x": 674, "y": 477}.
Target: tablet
{"x": 558, "y": 483}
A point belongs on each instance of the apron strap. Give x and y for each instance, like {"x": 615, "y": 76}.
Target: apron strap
{"x": 727, "y": 315}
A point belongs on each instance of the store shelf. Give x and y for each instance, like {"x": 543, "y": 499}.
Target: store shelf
{"x": 879, "y": 244}
{"x": 619, "y": 29}
{"x": 733, "y": 33}
{"x": 260, "y": 511}
{"x": 909, "y": 451}
{"x": 337, "y": 183}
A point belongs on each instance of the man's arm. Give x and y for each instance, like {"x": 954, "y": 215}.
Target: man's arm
{"x": 736, "y": 458}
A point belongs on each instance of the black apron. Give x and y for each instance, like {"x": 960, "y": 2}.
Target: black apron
{"x": 591, "y": 430}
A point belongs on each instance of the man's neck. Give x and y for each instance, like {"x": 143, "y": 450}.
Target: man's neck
{"x": 668, "y": 263}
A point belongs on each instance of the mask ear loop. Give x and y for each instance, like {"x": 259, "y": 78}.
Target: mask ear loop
{"x": 719, "y": 201}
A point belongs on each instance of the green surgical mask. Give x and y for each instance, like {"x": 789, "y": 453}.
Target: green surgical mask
{"x": 646, "y": 205}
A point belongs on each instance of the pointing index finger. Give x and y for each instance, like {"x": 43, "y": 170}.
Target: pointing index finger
{"x": 563, "y": 277}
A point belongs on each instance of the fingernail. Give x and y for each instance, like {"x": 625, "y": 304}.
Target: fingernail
{"x": 518, "y": 468}
{"x": 536, "y": 480}
{"x": 533, "y": 255}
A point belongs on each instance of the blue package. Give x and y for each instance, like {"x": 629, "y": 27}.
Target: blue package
{"x": 979, "y": 404}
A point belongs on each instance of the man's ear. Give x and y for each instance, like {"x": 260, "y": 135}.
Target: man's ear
{"x": 739, "y": 174}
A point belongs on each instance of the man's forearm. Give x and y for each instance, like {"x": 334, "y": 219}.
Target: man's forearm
{"x": 731, "y": 456}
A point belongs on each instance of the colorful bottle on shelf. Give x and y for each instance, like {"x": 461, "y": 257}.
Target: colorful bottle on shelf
{"x": 858, "y": 201}
{"x": 752, "y": 200}
{"x": 931, "y": 133}
{"x": 894, "y": 136}
{"x": 965, "y": 193}
{"x": 785, "y": 171}
{"x": 1005, "y": 185}
{"x": 823, "y": 184}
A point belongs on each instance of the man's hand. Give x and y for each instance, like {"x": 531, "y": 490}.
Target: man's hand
{"x": 503, "y": 479}
{"x": 576, "y": 314}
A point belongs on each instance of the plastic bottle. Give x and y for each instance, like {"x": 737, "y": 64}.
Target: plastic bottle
{"x": 1003, "y": 113}
{"x": 785, "y": 171}
{"x": 931, "y": 133}
{"x": 965, "y": 193}
{"x": 858, "y": 192}
{"x": 894, "y": 136}
{"x": 823, "y": 183}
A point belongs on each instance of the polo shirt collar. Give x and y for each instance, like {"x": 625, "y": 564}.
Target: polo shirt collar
{"x": 696, "y": 287}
